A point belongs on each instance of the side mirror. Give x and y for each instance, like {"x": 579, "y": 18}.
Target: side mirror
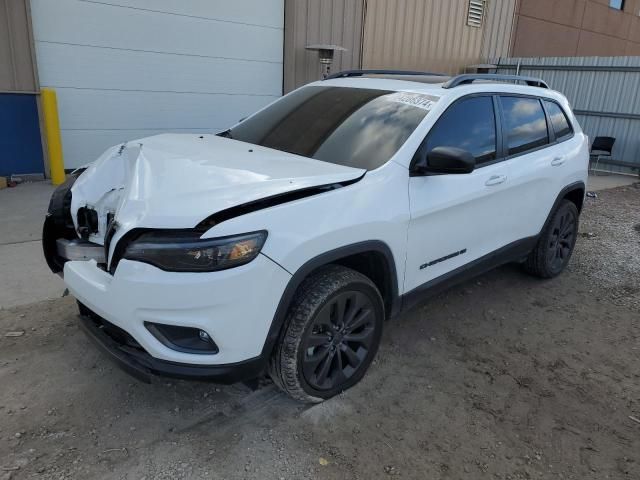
{"x": 446, "y": 160}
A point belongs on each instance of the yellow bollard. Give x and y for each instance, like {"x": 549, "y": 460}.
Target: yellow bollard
{"x": 52, "y": 132}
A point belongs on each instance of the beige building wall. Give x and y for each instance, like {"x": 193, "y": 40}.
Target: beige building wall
{"x": 576, "y": 28}
{"x": 307, "y": 22}
{"x": 433, "y": 35}
{"x": 496, "y": 41}
{"x": 17, "y": 65}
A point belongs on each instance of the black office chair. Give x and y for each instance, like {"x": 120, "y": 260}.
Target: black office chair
{"x": 601, "y": 147}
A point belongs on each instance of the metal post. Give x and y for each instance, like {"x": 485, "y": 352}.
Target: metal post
{"x": 52, "y": 132}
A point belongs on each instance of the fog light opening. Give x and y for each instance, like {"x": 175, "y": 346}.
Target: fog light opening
{"x": 204, "y": 336}
{"x": 183, "y": 339}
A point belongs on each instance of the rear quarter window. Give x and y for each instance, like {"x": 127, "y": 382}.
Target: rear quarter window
{"x": 559, "y": 121}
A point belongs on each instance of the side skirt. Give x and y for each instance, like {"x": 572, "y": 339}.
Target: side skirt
{"x": 513, "y": 252}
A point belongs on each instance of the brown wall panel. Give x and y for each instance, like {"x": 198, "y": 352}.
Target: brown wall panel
{"x": 634, "y": 30}
{"x": 596, "y": 44}
{"x": 603, "y": 19}
{"x": 565, "y": 12}
{"x": 548, "y": 28}
{"x": 308, "y": 22}
{"x": 496, "y": 41}
{"x": 632, "y": 7}
{"x": 6, "y": 52}
{"x": 539, "y": 38}
{"x": 427, "y": 35}
{"x": 431, "y": 35}
{"x": 17, "y": 68}
{"x": 632, "y": 49}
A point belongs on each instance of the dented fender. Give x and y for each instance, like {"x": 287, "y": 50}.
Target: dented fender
{"x": 179, "y": 181}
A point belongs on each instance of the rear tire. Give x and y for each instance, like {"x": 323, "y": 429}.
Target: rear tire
{"x": 332, "y": 334}
{"x": 555, "y": 245}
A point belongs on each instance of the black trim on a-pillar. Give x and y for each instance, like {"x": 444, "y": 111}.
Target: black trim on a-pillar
{"x": 326, "y": 258}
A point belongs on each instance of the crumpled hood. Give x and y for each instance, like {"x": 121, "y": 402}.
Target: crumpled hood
{"x": 177, "y": 180}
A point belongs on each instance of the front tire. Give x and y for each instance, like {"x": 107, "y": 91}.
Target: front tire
{"x": 556, "y": 243}
{"x": 332, "y": 334}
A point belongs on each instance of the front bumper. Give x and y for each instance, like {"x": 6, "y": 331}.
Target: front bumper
{"x": 132, "y": 358}
{"x": 235, "y": 307}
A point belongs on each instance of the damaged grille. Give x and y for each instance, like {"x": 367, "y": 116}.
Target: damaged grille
{"x": 87, "y": 222}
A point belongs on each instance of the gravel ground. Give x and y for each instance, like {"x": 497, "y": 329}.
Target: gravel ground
{"x": 608, "y": 255}
{"x": 503, "y": 377}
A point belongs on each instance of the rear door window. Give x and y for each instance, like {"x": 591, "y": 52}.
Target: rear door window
{"x": 469, "y": 124}
{"x": 559, "y": 122}
{"x": 525, "y": 124}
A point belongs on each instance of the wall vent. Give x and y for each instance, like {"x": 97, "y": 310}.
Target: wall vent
{"x": 475, "y": 14}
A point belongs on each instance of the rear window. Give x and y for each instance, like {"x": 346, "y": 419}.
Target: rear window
{"x": 526, "y": 124}
{"x": 354, "y": 127}
{"x": 561, "y": 126}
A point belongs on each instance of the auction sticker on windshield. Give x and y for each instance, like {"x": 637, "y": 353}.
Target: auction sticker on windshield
{"x": 419, "y": 100}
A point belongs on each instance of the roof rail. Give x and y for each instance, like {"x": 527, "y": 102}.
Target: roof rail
{"x": 360, "y": 73}
{"x": 471, "y": 77}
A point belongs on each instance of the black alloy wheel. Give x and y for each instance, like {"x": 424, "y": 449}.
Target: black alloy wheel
{"x": 561, "y": 241}
{"x": 556, "y": 242}
{"x": 333, "y": 329}
{"x": 341, "y": 336}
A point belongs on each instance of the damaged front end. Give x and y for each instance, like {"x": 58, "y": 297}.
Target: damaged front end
{"x": 60, "y": 240}
{"x": 80, "y": 220}
{"x": 75, "y": 229}
{"x": 150, "y": 190}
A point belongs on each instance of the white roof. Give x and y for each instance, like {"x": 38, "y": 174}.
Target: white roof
{"x": 378, "y": 83}
{"x": 393, "y": 84}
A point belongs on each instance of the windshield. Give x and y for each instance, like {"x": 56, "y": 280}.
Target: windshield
{"x": 354, "y": 127}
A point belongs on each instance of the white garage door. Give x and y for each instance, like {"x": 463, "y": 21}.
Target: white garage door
{"x": 126, "y": 69}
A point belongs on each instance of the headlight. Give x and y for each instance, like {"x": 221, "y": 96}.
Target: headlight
{"x": 182, "y": 251}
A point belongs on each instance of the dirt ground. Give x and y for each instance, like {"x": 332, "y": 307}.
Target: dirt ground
{"x": 504, "y": 377}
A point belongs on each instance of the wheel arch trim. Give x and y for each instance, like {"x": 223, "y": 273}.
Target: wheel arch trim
{"x": 369, "y": 246}
{"x": 572, "y": 187}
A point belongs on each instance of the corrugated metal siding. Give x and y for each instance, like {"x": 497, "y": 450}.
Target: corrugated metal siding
{"x": 499, "y": 25}
{"x": 334, "y": 22}
{"x": 430, "y": 35}
{"x": 597, "y": 91}
{"x": 17, "y": 66}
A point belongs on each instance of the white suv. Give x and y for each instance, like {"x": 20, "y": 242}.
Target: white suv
{"x": 283, "y": 244}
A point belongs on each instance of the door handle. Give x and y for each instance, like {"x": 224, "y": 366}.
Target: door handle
{"x": 495, "y": 180}
{"x": 556, "y": 162}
